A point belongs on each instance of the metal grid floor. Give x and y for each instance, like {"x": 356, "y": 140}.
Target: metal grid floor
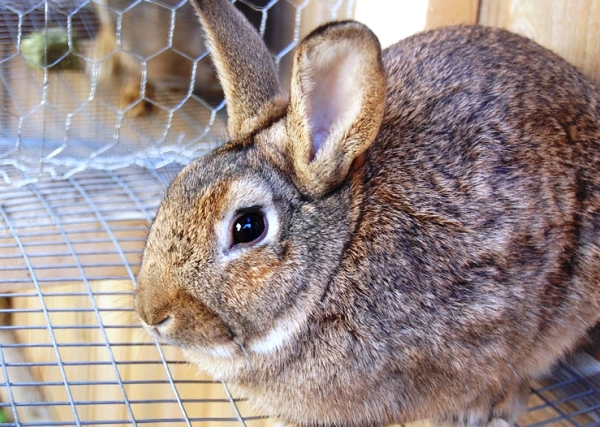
{"x": 72, "y": 350}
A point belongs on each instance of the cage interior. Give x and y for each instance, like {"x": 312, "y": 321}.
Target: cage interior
{"x": 82, "y": 176}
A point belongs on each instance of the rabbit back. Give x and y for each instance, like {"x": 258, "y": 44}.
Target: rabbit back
{"x": 478, "y": 234}
{"x": 474, "y": 262}
{"x": 485, "y": 186}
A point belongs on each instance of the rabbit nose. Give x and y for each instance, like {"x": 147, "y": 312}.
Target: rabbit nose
{"x": 156, "y": 320}
{"x": 152, "y": 316}
{"x": 153, "y": 308}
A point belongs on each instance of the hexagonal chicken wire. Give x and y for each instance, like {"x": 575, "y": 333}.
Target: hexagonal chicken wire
{"x": 65, "y": 113}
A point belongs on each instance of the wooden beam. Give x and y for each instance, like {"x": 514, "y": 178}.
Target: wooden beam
{"x": 569, "y": 28}
{"x": 444, "y": 12}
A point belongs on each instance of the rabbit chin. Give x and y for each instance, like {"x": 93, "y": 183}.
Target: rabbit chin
{"x": 273, "y": 341}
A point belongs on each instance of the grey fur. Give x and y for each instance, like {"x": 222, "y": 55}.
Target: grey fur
{"x": 448, "y": 256}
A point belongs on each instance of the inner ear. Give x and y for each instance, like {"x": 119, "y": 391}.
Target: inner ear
{"x": 337, "y": 97}
{"x": 332, "y": 98}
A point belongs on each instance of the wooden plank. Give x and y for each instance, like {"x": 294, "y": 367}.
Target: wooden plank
{"x": 18, "y": 373}
{"x": 444, "y": 12}
{"x": 571, "y": 28}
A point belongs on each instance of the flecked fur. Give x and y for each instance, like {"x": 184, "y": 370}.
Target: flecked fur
{"x": 454, "y": 260}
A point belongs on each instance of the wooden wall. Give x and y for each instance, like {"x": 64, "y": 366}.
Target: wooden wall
{"x": 571, "y": 28}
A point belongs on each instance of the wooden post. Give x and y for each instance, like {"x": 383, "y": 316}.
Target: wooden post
{"x": 444, "y": 12}
{"x": 570, "y": 28}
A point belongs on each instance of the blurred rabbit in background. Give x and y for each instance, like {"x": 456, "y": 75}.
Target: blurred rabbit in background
{"x": 145, "y": 30}
{"x": 166, "y": 36}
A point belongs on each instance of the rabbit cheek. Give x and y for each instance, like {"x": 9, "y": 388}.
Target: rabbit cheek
{"x": 277, "y": 337}
{"x": 251, "y": 290}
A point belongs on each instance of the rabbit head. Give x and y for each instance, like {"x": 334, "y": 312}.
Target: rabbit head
{"x": 245, "y": 224}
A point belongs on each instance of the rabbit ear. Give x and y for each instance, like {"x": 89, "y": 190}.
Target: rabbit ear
{"x": 244, "y": 66}
{"x": 337, "y": 102}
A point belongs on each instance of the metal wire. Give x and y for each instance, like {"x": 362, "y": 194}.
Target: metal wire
{"x": 47, "y": 258}
{"x": 32, "y": 232}
{"x": 58, "y": 123}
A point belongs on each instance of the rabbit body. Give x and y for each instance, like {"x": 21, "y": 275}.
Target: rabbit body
{"x": 451, "y": 261}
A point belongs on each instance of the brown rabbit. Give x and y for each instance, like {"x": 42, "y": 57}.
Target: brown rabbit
{"x": 144, "y": 32}
{"x": 413, "y": 234}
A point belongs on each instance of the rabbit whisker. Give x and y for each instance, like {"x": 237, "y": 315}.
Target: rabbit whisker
{"x": 243, "y": 349}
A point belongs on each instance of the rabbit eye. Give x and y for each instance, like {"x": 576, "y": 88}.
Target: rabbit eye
{"x": 248, "y": 228}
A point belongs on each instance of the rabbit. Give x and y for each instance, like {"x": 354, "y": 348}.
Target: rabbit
{"x": 144, "y": 35}
{"x": 409, "y": 234}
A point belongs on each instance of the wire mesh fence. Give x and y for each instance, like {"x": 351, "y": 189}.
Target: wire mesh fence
{"x": 83, "y": 171}
{"x": 73, "y": 352}
{"x": 108, "y": 83}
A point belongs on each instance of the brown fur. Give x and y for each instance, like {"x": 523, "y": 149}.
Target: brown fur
{"x": 232, "y": 58}
{"x": 442, "y": 261}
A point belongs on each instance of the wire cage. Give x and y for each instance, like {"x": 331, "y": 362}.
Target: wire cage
{"x": 83, "y": 171}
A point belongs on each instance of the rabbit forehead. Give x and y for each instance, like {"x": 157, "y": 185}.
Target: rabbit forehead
{"x": 246, "y": 191}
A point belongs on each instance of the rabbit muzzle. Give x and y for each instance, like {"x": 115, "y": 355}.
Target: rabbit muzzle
{"x": 175, "y": 317}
